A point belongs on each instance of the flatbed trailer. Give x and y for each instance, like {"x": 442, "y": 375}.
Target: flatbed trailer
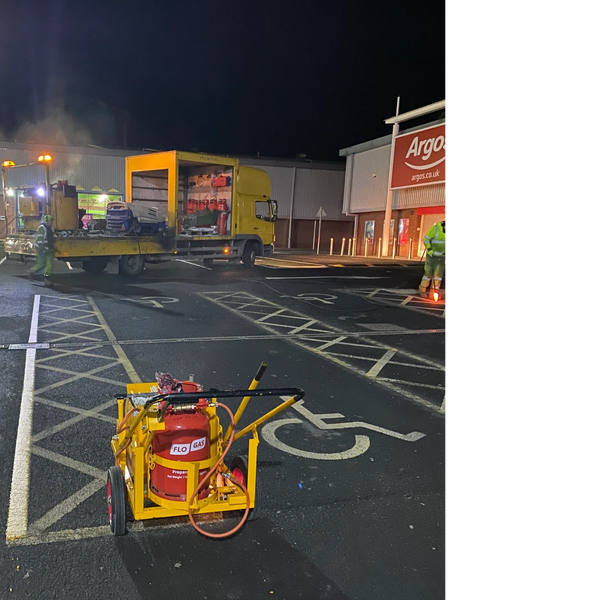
{"x": 169, "y": 180}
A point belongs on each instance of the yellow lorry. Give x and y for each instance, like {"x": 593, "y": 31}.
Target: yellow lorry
{"x": 213, "y": 207}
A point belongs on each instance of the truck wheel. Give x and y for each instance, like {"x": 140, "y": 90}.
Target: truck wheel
{"x": 132, "y": 265}
{"x": 96, "y": 265}
{"x": 116, "y": 498}
{"x": 249, "y": 255}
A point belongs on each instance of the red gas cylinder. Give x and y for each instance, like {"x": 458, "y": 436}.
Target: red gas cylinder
{"x": 212, "y": 204}
{"x": 222, "y": 204}
{"x": 222, "y": 223}
{"x": 186, "y": 438}
{"x": 190, "y": 207}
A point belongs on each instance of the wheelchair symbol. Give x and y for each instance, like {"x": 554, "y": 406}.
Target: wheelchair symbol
{"x": 361, "y": 442}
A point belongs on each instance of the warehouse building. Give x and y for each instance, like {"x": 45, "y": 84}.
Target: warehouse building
{"x": 301, "y": 187}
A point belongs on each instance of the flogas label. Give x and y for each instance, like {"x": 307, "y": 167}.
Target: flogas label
{"x": 183, "y": 449}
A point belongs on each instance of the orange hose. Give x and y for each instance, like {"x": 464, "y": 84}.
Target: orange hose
{"x": 120, "y": 427}
{"x": 206, "y": 478}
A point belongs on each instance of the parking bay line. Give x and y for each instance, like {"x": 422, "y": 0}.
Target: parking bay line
{"x": 18, "y": 505}
{"x": 229, "y": 338}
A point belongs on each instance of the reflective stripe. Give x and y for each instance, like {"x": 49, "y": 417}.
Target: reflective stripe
{"x": 436, "y": 253}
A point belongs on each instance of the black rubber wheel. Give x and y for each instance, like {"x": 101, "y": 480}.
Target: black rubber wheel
{"x": 132, "y": 265}
{"x": 116, "y": 500}
{"x": 146, "y": 231}
{"x": 208, "y": 262}
{"x": 239, "y": 466}
{"x": 94, "y": 266}
{"x": 249, "y": 255}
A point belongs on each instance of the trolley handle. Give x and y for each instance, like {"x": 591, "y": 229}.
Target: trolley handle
{"x": 185, "y": 397}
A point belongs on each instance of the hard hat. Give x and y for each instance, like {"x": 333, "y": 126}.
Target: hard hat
{"x": 47, "y": 218}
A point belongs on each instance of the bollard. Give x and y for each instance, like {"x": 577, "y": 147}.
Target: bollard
{"x": 379, "y": 249}
{"x": 394, "y": 248}
{"x": 343, "y": 245}
{"x": 331, "y": 248}
{"x": 409, "y": 248}
{"x": 366, "y": 242}
{"x": 349, "y": 245}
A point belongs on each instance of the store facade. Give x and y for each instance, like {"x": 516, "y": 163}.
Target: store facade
{"x": 410, "y": 175}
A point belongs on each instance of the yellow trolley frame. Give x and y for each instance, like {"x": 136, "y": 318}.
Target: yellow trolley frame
{"x": 132, "y": 447}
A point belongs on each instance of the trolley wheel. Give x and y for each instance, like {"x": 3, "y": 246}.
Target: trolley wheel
{"x": 208, "y": 262}
{"x": 239, "y": 469}
{"x": 249, "y": 255}
{"x": 117, "y": 501}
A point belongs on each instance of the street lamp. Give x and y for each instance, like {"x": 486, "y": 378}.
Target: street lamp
{"x": 46, "y": 159}
{"x": 7, "y": 164}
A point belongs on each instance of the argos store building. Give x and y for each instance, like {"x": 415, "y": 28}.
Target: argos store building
{"x": 403, "y": 173}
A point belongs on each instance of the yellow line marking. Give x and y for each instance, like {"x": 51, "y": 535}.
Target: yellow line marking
{"x": 88, "y": 375}
{"x": 73, "y": 320}
{"x": 270, "y": 315}
{"x": 64, "y": 424}
{"x": 135, "y": 378}
{"x": 57, "y": 308}
{"x": 63, "y": 353}
{"x": 92, "y": 413}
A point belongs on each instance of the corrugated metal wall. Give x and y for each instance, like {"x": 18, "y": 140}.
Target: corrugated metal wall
{"x": 422, "y": 195}
{"x": 281, "y": 187}
{"x": 87, "y": 170}
{"x": 91, "y": 168}
{"x": 368, "y": 192}
{"x": 316, "y": 188}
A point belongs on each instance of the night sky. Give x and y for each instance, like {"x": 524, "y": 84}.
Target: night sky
{"x": 279, "y": 78}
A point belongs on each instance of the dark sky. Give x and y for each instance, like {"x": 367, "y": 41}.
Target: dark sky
{"x": 280, "y": 77}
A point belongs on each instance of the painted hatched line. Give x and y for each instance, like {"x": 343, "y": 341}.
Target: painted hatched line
{"x": 36, "y": 529}
{"x": 401, "y": 299}
{"x": 232, "y": 300}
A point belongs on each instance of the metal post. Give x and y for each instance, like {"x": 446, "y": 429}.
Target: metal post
{"x": 314, "y": 234}
{"x": 409, "y": 248}
{"x": 331, "y": 247}
{"x": 343, "y": 246}
{"x": 390, "y": 193}
{"x": 291, "y": 208}
{"x": 5, "y": 201}
{"x": 394, "y": 248}
{"x": 319, "y": 236}
{"x": 47, "y": 175}
{"x": 366, "y": 241}
{"x": 379, "y": 249}
{"x": 349, "y": 245}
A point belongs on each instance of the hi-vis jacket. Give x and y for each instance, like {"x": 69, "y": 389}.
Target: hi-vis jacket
{"x": 435, "y": 241}
{"x": 44, "y": 240}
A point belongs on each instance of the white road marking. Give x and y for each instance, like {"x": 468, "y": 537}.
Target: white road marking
{"x": 18, "y": 507}
{"x": 1, "y": 261}
{"x": 376, "y": 368}
{"x": 443, "y": 407}
{"x": 361, "y": 443}
{"x": 193, "y": 264}
{"x": 69, "y": 265}
{"x": 329, "y": 277}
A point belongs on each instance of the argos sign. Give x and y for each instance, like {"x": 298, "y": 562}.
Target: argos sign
{"x": 420, "y": 157}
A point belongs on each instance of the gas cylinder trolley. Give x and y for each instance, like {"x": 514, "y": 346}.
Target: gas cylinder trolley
{"x": 169, "y": 453}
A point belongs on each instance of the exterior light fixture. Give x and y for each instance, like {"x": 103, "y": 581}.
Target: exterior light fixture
{"x": 8, "y": 163}
{"x": 44, "y": 158}
{"x": 41, "y": 191}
